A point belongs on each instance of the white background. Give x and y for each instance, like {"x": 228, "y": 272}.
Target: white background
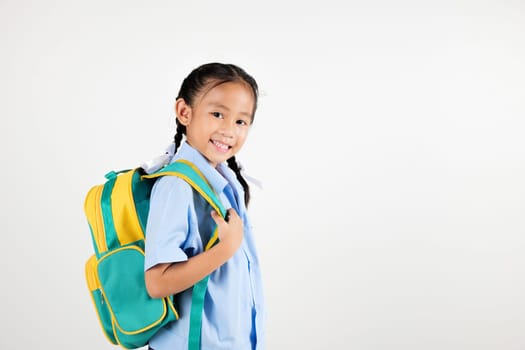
{"x": 389, "y": 139}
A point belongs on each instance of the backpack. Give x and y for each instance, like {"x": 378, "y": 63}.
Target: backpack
{"x": 117, "y": 212}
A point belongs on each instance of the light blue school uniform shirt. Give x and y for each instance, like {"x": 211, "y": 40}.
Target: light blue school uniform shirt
{"x": 179, "y": 226}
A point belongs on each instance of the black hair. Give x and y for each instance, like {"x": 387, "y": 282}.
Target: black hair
{"x": 208, "y": 76}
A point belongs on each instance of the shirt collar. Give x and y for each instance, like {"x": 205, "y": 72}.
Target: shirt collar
{"x": 216, "y": 180}
{"x": 230, "y": 176}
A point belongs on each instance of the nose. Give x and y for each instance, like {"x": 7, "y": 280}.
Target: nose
{"x": 227, "y": 128}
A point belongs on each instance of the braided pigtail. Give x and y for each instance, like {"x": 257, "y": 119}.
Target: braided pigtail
{"x": 181, "y": 130}
{"x": 232, "y": 163}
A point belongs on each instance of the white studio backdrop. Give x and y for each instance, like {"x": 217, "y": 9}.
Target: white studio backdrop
{"x": 389, "y": 139}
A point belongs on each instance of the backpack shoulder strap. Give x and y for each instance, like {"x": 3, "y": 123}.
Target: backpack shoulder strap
{"x": 192, "y": 175}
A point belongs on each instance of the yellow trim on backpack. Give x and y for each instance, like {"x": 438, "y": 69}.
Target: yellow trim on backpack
{"x": 125, "y": 218}
{"x": 197, "y": 170}
{"x": 214, "y": 237}
{"x": 197, "y": 188}
{"x": 183, "y": 161}
{"x": 115, "y": 331}
{"x": 94, "y": 216}
{"x": 172, "y": 306}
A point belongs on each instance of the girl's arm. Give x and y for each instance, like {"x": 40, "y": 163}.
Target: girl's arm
{"x": 171, "y": 278}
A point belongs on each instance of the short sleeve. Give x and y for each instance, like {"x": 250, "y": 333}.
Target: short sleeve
{"x": 168, "y": 221}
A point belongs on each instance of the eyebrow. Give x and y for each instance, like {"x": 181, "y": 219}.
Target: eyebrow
{"x": 220, "y": 105}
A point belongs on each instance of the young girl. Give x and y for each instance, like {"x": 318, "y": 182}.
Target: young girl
{"x": 215, "y": 108}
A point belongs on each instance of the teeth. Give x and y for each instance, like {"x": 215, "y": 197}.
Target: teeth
{"x": 220, "y": 145}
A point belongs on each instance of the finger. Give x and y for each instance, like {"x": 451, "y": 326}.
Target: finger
{"x": 231, "y": 213}
{"x": 217, "y": 218}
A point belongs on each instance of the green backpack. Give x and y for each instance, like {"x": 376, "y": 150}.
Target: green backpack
{"x": 117, "y": 212}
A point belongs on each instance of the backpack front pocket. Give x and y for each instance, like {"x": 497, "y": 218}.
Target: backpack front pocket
{"x": 135, "y": 315}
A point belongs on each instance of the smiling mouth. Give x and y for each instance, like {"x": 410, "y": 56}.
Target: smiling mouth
{"x": 221, "y": 147}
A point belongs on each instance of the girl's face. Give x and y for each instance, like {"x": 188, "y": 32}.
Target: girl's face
{"x": 218, "y": 123}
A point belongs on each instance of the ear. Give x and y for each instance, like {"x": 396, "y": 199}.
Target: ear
{"x": 183, "y": 111}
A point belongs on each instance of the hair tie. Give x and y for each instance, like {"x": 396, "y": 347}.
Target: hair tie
{"x": 159, "y": 162}
{"x": 249, "y": 178}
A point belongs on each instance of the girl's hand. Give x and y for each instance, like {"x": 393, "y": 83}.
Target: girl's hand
{"x": 171, "y": 278}
{"x": 231, "y": 233}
